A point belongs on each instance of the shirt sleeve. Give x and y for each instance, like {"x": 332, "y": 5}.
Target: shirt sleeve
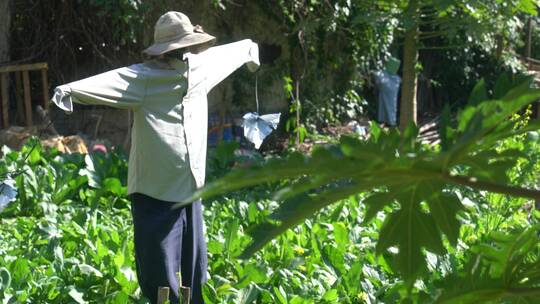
{"x": 122, "y": 88}
{"x": 220, "y": 61}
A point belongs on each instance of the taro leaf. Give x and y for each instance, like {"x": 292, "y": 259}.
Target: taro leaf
{"x": 5, "y": 278}
{"x": 95, "y": 169}
{"x": 89, "y": 270}
{"x": 410, "y": 229}
{"x": 331, "y": 296}
{"x": 224, "y": 153}
{"x": 77, "y": 296}
{"x": 248, "y": 295}
{"x": 280, "y": 294}
{"x": 114, "y": 186}
{"x": 20, "y": 270}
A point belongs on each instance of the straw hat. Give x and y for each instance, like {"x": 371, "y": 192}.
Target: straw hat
{"x": 172, "y": 31}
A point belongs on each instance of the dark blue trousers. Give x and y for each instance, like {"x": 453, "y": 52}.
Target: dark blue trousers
{"x": 168, "y": 241}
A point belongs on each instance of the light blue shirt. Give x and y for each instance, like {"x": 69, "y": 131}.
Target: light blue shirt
{"x": 169, "y": 100}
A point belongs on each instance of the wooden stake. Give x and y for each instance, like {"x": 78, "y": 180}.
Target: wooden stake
{"x": 27, "y": 98}
{"x": 184, "y": 292}
{"x": 5, "y": 101}
{"x": 185, "y": 295}
{"x": 45, "y": 85}
{"x": 163, "y": 295}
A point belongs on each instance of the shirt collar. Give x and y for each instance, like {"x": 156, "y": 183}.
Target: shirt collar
{"x": 168, "y": 64}
{"x": 178, "y": 65}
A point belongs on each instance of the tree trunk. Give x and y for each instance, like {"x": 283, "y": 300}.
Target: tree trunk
{"x": 410, "y": 58}
{"x": 5, "y": 22}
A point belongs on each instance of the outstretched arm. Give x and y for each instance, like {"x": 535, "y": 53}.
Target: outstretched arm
{"x": 220, "y": 61}
{"x": 122, "y": 88}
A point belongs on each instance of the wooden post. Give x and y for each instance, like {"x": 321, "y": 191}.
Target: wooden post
{"x": 5, "y": 101}
{"x": 18, "y": 97}
{"x": 27, "y": 98}
{"x": 45, "y": 85}
{"x": 163, "y": 295}
{"x": 185, "y": 295}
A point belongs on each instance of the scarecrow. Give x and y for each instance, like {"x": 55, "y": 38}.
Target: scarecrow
{"x": 168, "y": 97}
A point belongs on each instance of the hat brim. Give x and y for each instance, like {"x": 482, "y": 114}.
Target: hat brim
{"x": 178, "y": 43}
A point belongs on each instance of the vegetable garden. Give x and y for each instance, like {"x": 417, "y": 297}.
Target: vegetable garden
{"x": 380, "y": 217}
{"x": 67, "y": 237}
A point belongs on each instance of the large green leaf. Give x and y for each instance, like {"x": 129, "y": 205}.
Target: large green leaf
{"x": 410, "y": 229}
{"x": 444, "y": 207}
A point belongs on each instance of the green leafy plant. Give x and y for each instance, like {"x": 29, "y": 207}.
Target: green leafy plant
{"x": 507, "y": 268}
{"x": 414, "y": 184}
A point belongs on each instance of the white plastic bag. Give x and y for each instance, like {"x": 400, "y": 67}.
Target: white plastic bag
{"x": 8, "y": 192}
{"x": 257, "y": 128}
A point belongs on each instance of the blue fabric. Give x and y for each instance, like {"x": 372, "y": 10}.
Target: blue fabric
{"x": 388, "y": 85}
{"x": 168, "y": 241}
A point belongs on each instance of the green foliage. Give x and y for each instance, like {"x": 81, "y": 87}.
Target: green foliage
{"x": 61, "y": 241}
{"x": 414, "y": 184}
{"x": 504, "y": 269}
{"x": 75, "y": 246}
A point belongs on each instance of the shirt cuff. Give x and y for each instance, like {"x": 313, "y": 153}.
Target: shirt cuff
{"x": 253, "y": 63}
{"x": 62, "y": 98}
